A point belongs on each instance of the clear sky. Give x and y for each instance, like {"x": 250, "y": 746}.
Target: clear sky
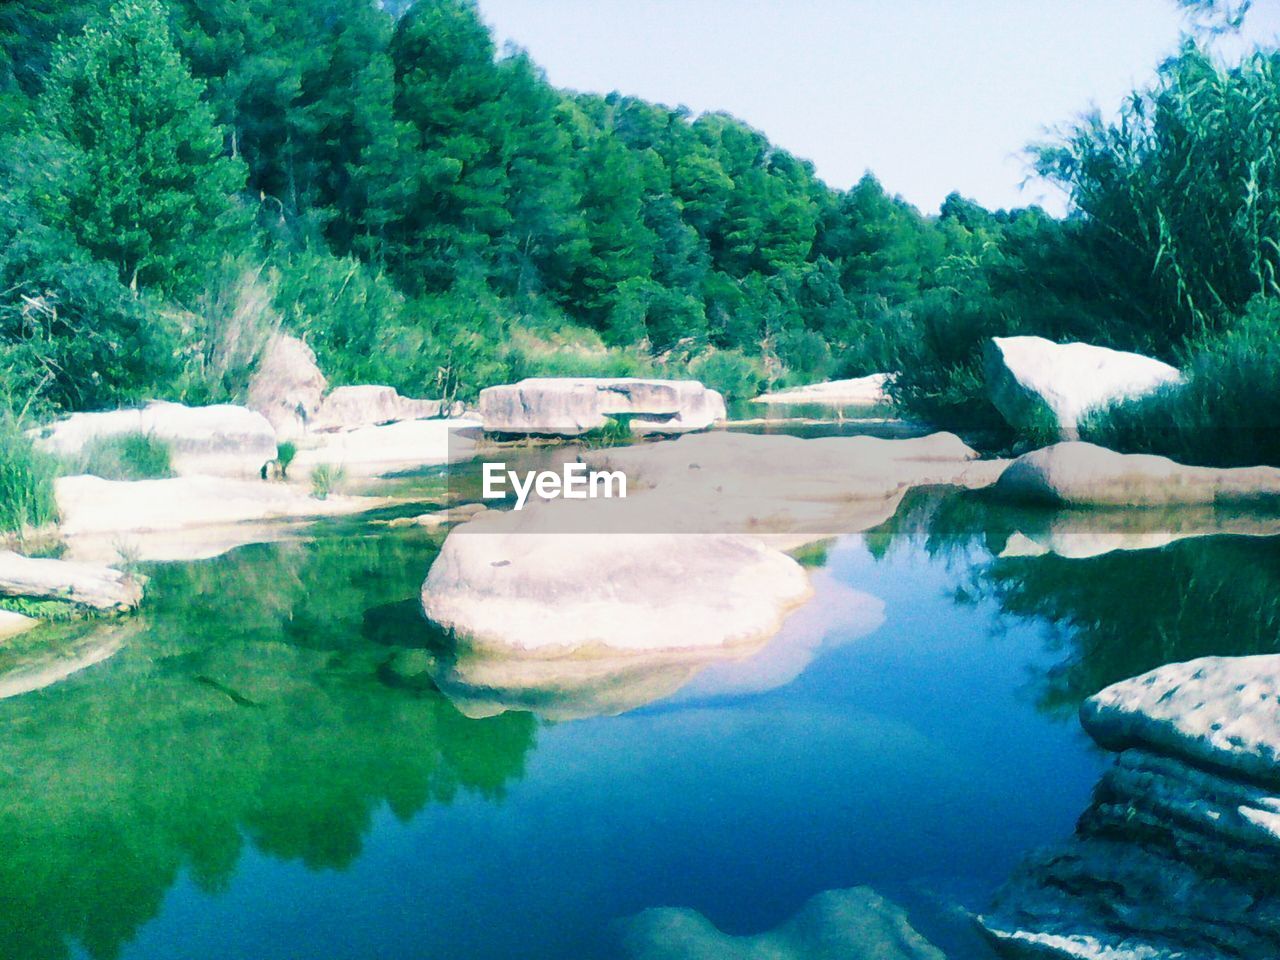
{"x": 930, "y": 95}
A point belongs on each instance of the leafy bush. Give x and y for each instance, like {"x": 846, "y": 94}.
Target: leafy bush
{"x": 736, "y": 375}
{"x": 26, "y": 481}
{"x": 1225, "y": 415}
{"x": 128, "y": 456}
{"x": 285, "y": 452}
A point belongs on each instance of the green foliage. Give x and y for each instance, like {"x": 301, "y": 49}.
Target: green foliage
{"x": 139, "y": 179}
{"x": 733, "y": 373}
{"x": 26, "y": 481}
{"x": 285, "y": 452}
{"x": 326, "y": 479}
{"x": 126, "y": 456}
{"x": 1226, "y": 413}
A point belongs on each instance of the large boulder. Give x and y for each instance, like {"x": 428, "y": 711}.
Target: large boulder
{"x": 1176, "y": 855}
{"x": 368, "y": 405}
{"x": 1038, "y": 384}
{"x": 287, "y": 386}
{"x": 868, "y": 391}
{"x": 854, "y": 924}
{"x": 87, "y": 585}
{"x": 553, "y": 406}
{"x": 221, "y": 440}
{"x": 516, "y": 581}
{"x": 1077, "y": 474}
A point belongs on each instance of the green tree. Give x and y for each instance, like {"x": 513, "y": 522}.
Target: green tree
{"x": 142, "y": 183}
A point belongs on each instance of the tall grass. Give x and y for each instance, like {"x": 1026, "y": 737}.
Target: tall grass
{"x": 26, "y": 481}
{"x": 128, "y": 456}
{"x": 1227, "y": 414}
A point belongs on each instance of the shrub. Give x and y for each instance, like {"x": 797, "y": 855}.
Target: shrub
{"x": 1227, "y": 412}
{"x": 128, "y": 456}
{"x": 325, "y": 479}
{"x": 285, "y": 452}
{"x": 26, "y": 481}
{"x": 732, "y": 372}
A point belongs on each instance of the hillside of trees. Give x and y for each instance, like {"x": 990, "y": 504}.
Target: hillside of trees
{"x": 179, "y": 177}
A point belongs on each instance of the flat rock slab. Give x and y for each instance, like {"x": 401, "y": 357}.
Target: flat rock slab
{"x": 1079, "y": 474}
{"x": 102, "y": 588}
{"x": 855, "y": 924}
{"x": 515, "y": 581}
{"x": 222, "y": 440}
{"x": 391, "y": 448}
{"x": 1036, "y": 383}
{"x": 553, "y": 406}
{"x": 869, "y": 391}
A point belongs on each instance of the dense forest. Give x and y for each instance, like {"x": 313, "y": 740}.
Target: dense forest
{"x": 181, "y": 177}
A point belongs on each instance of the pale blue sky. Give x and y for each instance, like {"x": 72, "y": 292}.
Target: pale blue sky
{"x": 930, "y": 95}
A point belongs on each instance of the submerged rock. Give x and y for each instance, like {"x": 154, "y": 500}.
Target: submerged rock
{"x": 31, "y": 667}
{"x": 222, "y": 440}
{"x": 88, "y": 585}
{"x": 1079, "y": 474}
{"x": 568, "y": 407}
{"x": 287, "y": 386}
{"x": 1176, "y": 857}
{"x": 1036, "y": 383}
{"x": 348, "y": 408}
{"x": 12, "y": 624}
{"x": 854, "y": 924}
{"x": 866, "y": 391}
{"x": 518, "y": 581}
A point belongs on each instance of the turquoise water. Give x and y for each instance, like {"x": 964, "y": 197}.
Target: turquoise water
{"x": 264, "y": 770}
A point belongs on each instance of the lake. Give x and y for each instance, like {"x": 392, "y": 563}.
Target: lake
{"x": 266, "y": 769}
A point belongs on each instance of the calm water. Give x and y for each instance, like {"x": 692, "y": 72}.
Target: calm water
{"x": 264, "y": 770}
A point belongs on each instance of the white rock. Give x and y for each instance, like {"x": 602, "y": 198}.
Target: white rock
{"x": 1223, "y": 712}
{"x": 367, "y": 405}
{"x": 1083, "y": 474}
{"x": 555, "y": 406}
{"x": 515, "y": 581}
{"x": 392, "y": 448}
{"x": 1033, "y": 381}
{"x": 183, "y": 517}
{"x": 866, "y": 391}
{"x": 12, "y": 624}
{"x": 855, "y": 924}
{"x": 221, "y": 440}
{"x": 287, "y": 386}
{"x": 101, "y": 588}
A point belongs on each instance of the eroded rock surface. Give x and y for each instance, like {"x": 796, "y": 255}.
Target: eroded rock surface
{"x": 89, "y": 585}
{"x": 555, "y": 406}
{"x": 866, "y": 391}
{"x": 368, "y": 405}
{"x": 1036, "y": 383}
{"x": 1176, "y": 858}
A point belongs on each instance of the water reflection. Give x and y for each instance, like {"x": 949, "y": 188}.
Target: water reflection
{"x": 251, "y": 710}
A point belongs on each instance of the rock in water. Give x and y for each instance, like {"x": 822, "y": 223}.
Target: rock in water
{"x": 866, "y": 391}
{"x": 1079, "y": 474}
{"x": 517, "y": 581}
{"x": 287, "y": 386}
{"x": 102, "y": 588}
{"x": 218, "y": 441}
{"x": 1177, "y": 855}
{"x": 855, "y": 924}
{"x": 367, "y": 405}
{"x": 1036, "y": 383}
{"x": 554, "y": 406}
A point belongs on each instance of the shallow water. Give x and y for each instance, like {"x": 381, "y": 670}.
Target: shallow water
{"x": 265, "y": 770}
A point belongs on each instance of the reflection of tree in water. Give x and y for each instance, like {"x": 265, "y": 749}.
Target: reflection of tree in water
{"x": 1111, "y": 616}
{"x": 1127, "y": 612}
{"x": 253, "y": 707}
